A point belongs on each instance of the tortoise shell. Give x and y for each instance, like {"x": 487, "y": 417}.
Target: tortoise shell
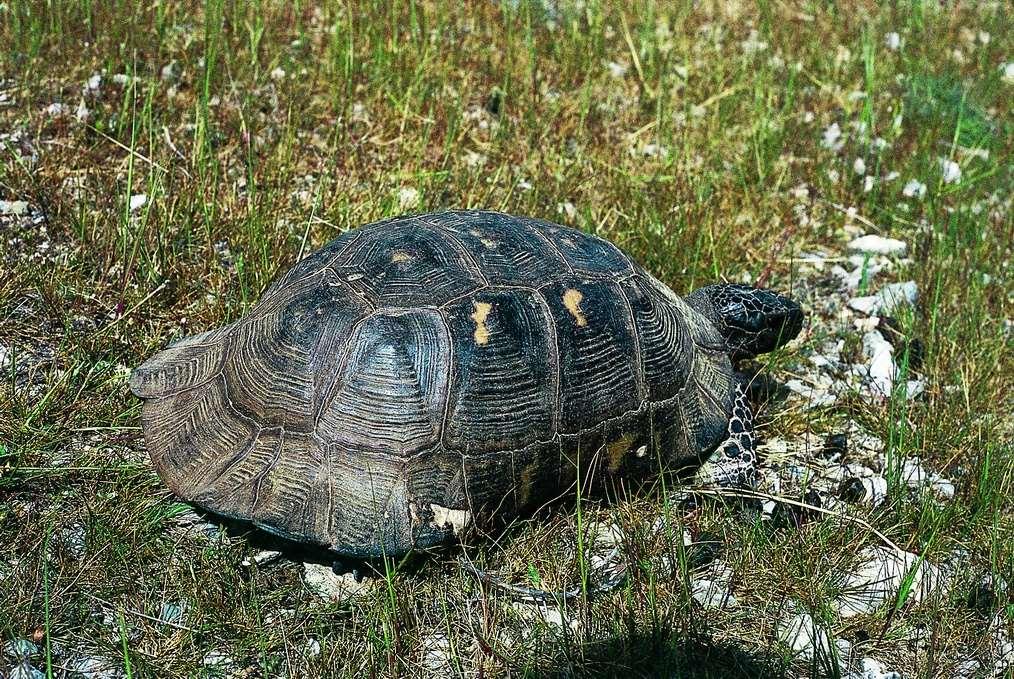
{"x": 424, "y": 372}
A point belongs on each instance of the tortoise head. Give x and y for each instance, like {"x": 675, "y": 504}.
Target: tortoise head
{"x": 752, "y": 320}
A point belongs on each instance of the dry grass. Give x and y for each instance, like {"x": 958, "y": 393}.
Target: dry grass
{"x": 258, "y": 131}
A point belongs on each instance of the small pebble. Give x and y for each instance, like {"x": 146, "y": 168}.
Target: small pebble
{"x": 804, "y": 637}
{"x": 14, "y": 208}
{"x": 878, "y": 245}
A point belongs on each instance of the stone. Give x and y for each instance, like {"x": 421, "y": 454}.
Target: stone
{"x": 261, "y": 558}
{"x": 870, "y": 668}
{"x": 888, "y": 300}
{"x": 879, "y": 580}
{"x": 15, "y": 208}
{"x": 804, "y": 637}
{"x": 325, "y": 583}
{"x": 712, "y": 590}
{"x": 25, "y": 671}
{"x": 878, "y": 245}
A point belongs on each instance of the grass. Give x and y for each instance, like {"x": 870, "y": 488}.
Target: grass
{"x": 258, "y": 131}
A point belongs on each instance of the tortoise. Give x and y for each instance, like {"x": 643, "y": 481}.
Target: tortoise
{"x": 427, "y": 372}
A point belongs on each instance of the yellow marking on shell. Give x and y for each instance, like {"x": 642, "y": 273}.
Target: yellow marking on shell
{"x": 482, "y": 310}
{"x": 456, "y": 519}
{"x": 617, "y": 450}
{"x": 489, "y": 243}
{"x": 572, "y": 300}
{"x": 400, "y": 256}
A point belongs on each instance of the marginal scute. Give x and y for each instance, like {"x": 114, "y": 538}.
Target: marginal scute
{"x": 188, "y": 363}
{"x": 707, "y": 400}
{"x": 371, "y": 514}
{"x": 189, "y": 433}
{"x": 294, "y": 498}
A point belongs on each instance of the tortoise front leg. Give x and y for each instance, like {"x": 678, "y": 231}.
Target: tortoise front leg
{"x": 734, "y": 462}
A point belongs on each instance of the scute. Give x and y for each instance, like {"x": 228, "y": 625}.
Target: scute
{"x": 189, "y": 433}
{"x": 585, "y": 254}
{"x": 597, "y": 346}
{"x": 503, "y": 390}
{"x": 664, "y": 340}
{"x": 389, "y": 395}
{"x": 277, "y": 357}
{"x": 505, "y": 251}
{"x": 407, "y": 265}
{"x": 188, "y": 363}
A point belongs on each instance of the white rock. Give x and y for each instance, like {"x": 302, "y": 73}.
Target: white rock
{"x": 859, "y": 166}
{"x": 96, "y": 668}
{"x": 892, "y": 41}
{"x": 408, "y": 198}
{"x": 324, "y": 582}
{"x": 217, "y": 659}
{"x": 616, "y": 70}
{"x": 16, "y": 208}
{"x": 968, "y": 669}
{"x": 879, "y": 580}
{"x": 171, "y": 71}
{"x": 871, "y": 668}
{"x": 436, "y": 654}
{"x": 950, "y": 170}
{"x": 545, "y": 613}
{"x": 94, "y": 83}
{"x": 311, "y": 649}
{"x": 137, "y": 201}
{"x": 868, "y": 305}
{"x": 1001, "y": 646}
{"x": 816, "y": 393}
{"x": 20, "y": 649}
{"x": 880, "y": 369}
{"x": 914, "y": 189}
{"x": 888, "y": 300}
{"x": 1007, "y": 72}
{"x": 894, "y": 296}
{"x": 804, "y": 636}
{"x": 878, "y": 245}
{"x": 474, "y": 160}
{"x": 82, "y": 113}
{"x": 25, "y": 671}
{"x": 278, "y": 73}
{"x": 712, "y": 590}
{"x": 55, "y": 109}
{"x": 265, "y": 556}
{"x": 831, "y": 138}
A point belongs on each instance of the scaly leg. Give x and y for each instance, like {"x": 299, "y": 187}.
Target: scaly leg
{"x": 734, "y": 462}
